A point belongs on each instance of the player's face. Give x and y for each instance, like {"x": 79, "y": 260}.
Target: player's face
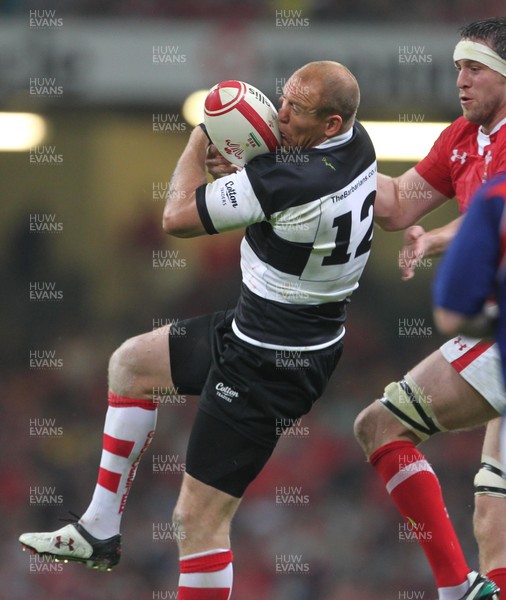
{"x": 299, "y": 124}
{"x": 482, "y": 93}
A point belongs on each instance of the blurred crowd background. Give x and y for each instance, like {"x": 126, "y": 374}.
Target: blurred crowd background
{"x": 318, "y": 509}
{"x": 382, "y": 11}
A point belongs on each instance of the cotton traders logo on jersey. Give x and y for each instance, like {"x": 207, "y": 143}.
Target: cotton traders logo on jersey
{"x": 226, "y": 392}
{"x": 456, "y": 156}
{"x": 231, "y": 193}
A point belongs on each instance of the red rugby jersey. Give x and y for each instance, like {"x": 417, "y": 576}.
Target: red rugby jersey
{"x": 455, "y": 166}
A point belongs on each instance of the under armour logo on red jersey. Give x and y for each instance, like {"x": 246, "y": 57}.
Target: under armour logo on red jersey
{"x": 456, "y": 156}
{"x": 59, "y": 542}
{"x": 459, "y": 342}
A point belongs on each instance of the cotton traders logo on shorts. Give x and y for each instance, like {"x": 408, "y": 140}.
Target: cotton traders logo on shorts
{"x": 226, "y": 392}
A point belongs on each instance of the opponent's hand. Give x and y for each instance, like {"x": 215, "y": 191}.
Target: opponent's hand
{"x": 217, "y": 165}
{"x": 412, "y": 251}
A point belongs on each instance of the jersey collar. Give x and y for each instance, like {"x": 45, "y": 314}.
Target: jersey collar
{"x": 337, "y": 140}
{"x": 498, "y": 126}
{"x": 483, "y": 139}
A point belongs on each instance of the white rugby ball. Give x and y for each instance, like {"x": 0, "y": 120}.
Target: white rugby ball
{"x": 241, "y": 121}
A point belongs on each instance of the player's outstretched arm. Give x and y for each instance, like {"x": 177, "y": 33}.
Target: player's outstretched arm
{"x": 402, "y": 201}
{"x": 180, "y": 216}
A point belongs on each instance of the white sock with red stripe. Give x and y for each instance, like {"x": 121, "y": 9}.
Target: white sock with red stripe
{"x": 128, "y": 431}
{"x": 206, "y": 575}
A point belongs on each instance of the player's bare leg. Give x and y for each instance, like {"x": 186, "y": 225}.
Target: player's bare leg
{"x": 433, "y": 397}
{"x": 202, "y": 516}
{"x": 202, "y": 519}
{"x": 135, "y": 369}
{"x": 490, "y": 508}
{"x": 457, "y": 405}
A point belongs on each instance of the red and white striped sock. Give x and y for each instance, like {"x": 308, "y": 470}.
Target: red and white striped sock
{"x": 128, "y": 431}
{"x": 206, "y": 576}
{"x": 415, "y": 489}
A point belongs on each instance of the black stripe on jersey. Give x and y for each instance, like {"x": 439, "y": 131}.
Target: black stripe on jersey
{"x": 280, "y": 184}
{"x": 288, "y": 324}
{"x": 283, "y": 255}
{"x": 200, "y": 197}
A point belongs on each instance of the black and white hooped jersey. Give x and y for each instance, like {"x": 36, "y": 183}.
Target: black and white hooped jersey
{"x": 309, "y": 224}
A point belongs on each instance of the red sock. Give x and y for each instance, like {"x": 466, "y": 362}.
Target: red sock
{"x": 498, "y": 576}
{"x": 206, "y": 576}
{"x": 415, "y": 489}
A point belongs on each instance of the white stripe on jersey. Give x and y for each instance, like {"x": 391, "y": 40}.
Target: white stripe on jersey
{"x": 268, "y": 346}
{"x": 269, "y": 283}
{"x": 304, "y": 224}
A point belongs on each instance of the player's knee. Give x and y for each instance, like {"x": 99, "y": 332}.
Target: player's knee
{"x": 480, "y": 516}
{"x": 122, "y": 363}
{"x": 489, "y": 523}
{"x": 179, "y": 520}
{"x": 365, "y": 426}
{"x": 490, "y": 493}
{"x": 490, "y": 481}
{"x": 411, "y": 409}
{"x": 188, "y": 525}
{"x": 486, "y": 510}
{"x": 404, "y": 413}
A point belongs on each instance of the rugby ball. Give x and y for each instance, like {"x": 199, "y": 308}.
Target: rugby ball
{"x": 241, "y": 121}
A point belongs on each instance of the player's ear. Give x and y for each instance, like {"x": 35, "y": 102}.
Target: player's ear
{"x": 333, "y": 124}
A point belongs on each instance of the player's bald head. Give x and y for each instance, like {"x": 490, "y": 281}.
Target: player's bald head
{"x": 338, "y": 89}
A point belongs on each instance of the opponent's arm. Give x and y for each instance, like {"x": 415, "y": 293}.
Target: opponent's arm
{"x": 465, "y": 282}
{"x": 180, "y": 216}
{"x": 451, "y": 323}
{"x": 419, "y": 244}
{"x": 402, "y": 201}
{"x": 436, "y": 240}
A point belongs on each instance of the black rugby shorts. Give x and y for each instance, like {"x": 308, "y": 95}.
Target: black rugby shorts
{"x": 248, "y": 396}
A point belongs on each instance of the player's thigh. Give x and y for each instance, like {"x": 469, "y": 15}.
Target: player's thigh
{"x": 456, "y": 404}
{"x": 175, "y": 356}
